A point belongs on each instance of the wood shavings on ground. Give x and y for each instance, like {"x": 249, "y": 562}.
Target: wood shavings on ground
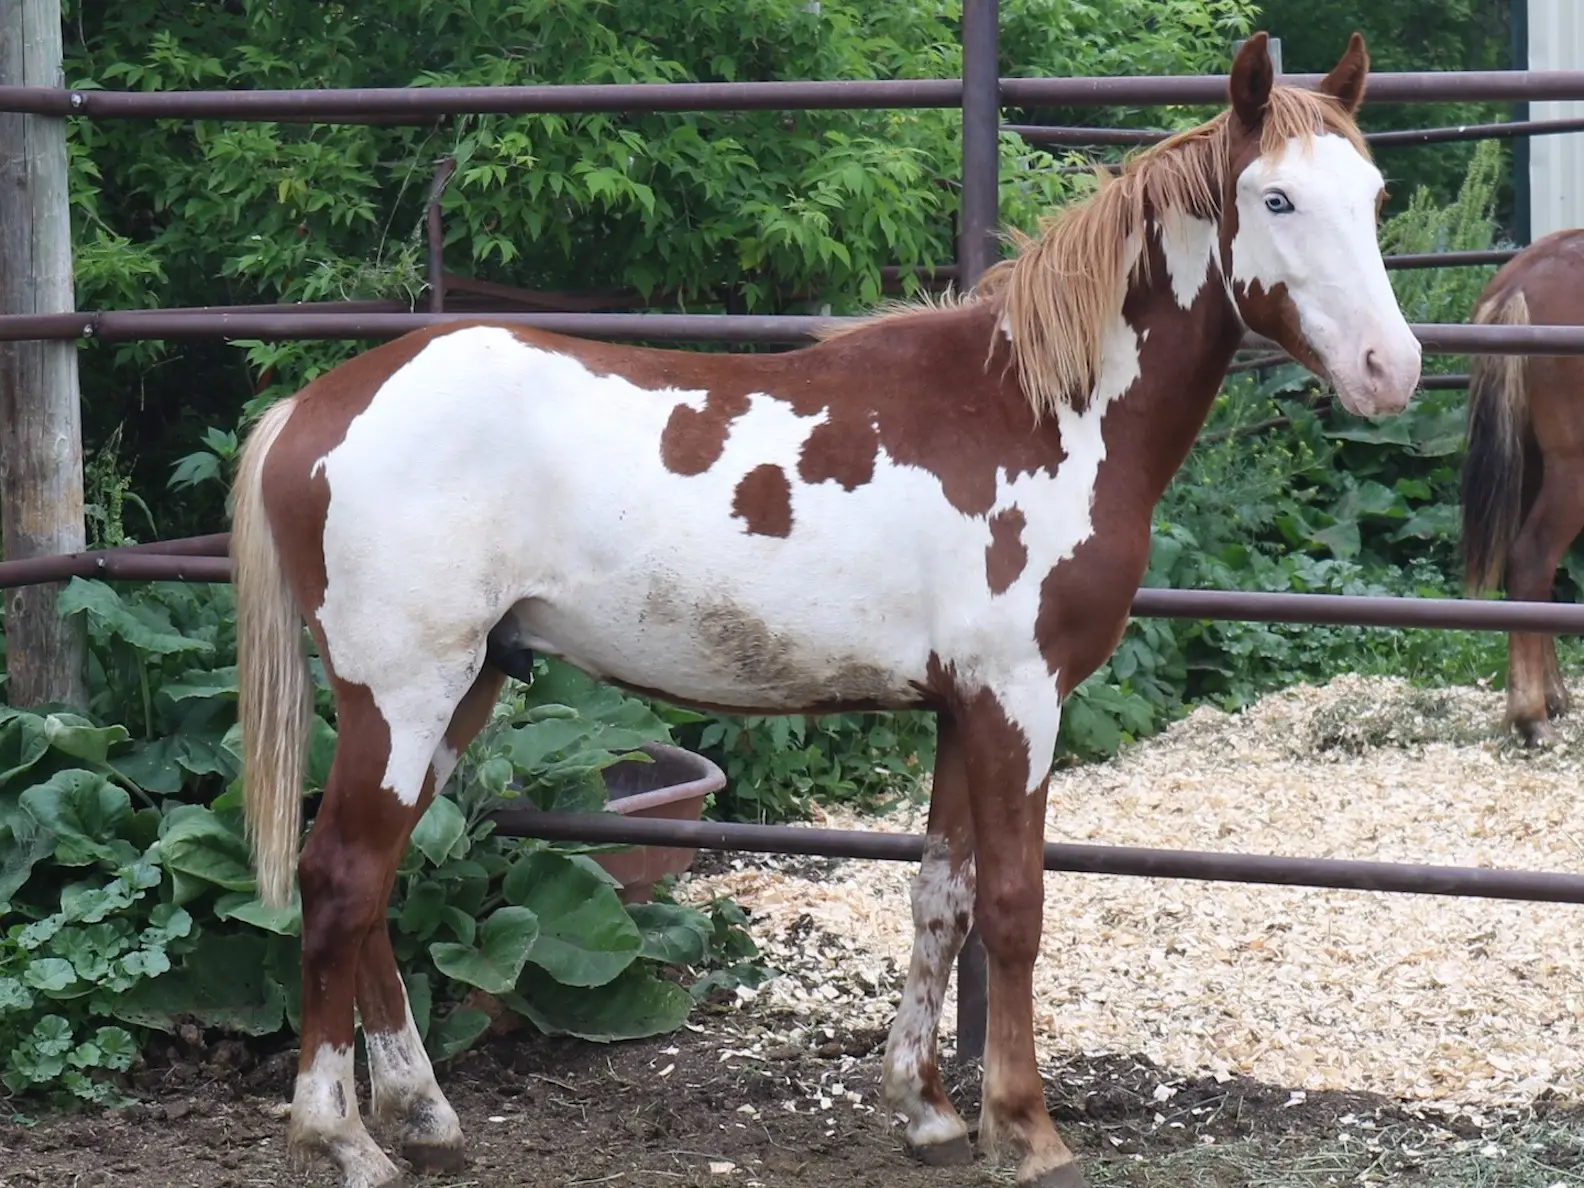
{"x": 1423, "y": 998}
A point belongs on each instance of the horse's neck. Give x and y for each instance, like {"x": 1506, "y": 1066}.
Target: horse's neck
{"x": 1188, "y": 330}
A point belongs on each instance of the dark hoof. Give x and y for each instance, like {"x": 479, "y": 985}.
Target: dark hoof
{"x": 957, "y": 1152}
{"x": 433, "y": 1159}
{"x": 1066, "y": 1175}
{"x": 1535, "y": 733}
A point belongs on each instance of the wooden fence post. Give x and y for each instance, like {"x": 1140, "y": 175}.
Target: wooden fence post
{"x": 41, "y": 457}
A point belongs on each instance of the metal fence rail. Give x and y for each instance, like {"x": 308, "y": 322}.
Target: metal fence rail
{"x": 1140, "y": 862}
{"x": 423, "y": 104}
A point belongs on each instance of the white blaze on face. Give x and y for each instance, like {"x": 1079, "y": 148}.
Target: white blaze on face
{"x": 1306, "y": 221}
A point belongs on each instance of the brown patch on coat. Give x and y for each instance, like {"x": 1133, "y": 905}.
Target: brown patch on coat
{"x": 694, "y": 439}
{"x": 763, "y": 501}
{"x": 841, "y": 451}
{"x": 919, "y": 388}
{"x": 1273, "y": 314}
{"x": 1006, "y": 555}
{"x": 1086, "y": 599}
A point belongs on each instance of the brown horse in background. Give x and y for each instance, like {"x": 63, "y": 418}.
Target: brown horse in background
{"x": 1523, "y": 475}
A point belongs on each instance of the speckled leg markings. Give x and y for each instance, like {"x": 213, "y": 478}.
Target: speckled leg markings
{"x": 325, "y": 1121}
{"x": 942, "y": 912}
{"x": 943, "y": 894}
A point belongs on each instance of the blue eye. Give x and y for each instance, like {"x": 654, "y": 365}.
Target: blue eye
{"x": 1278, "y": 203}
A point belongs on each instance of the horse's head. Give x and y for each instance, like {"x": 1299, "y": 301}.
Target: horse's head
{"x": 1298, "y": 233}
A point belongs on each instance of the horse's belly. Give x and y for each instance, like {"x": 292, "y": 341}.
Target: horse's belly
{"x": 726, "y": 646}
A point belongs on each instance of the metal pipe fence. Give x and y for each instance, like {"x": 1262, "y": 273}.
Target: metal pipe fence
{"x": 1444, "y": 338}
{"x": 1393, "y": 138}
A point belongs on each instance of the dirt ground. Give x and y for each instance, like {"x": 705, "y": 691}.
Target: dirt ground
{"x": 1246, "y": 1009}
{"x": 692, "y": 1109}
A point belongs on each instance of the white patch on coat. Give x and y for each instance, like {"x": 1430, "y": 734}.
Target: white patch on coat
{"x": 1326, "y": 252}
{"x": 324, "y": 1118}
{"x": 488, "y": 475}
{"x": 942, "y": 905}
{"x": 1189, "y": 245}
{"x": 403, "y": 1090}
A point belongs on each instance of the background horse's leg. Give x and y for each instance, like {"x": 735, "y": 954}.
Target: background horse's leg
{"x": 405, "y": 1098}
{"x": 943, "y": 894}
{"x": 1557, "y": 700}
{"x": 357, "y": 838}
{"x": 1009, "y": 836}
{"x": 1548, "y": 529}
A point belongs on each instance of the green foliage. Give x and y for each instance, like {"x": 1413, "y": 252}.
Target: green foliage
{"x": 129, "y": 898}
{"x": 778, "y": 767}
{"x": 1409, "y": 35}
{"x": 764, "y": 211}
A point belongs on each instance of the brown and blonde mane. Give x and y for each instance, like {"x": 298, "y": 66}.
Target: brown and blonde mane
{"x": 1067, "y": 282}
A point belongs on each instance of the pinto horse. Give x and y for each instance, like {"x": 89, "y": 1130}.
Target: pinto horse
{"x": 1523, "y": 474}
{"x": 946, "y": 508}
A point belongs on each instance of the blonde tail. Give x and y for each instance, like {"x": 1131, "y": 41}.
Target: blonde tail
{"x": 274, "y": 701}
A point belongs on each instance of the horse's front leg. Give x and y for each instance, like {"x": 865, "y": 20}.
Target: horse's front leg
{"x": 1009, "y": 738}
{"x": 943, "y": 894}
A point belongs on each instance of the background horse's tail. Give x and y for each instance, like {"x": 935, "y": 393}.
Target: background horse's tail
{"x": 274, "y": 689}
{"x": 1493, "y": 478}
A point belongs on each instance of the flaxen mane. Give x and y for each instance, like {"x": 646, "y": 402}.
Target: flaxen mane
{"x": 1067, "y": 282}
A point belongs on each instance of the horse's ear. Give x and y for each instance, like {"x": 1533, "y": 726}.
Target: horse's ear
{"x": 1252, "y": 78}
{"x": 1347, "y": 79}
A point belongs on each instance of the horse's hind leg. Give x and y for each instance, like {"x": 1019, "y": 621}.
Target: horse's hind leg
{"x": 943, "y": 894}
{"x": 1548, "y": 530}
{"x": 370, "y": 805}
{"x": 406, "y": 1100}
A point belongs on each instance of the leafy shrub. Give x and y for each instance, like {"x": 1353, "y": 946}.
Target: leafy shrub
{"x": 128, "y": 896}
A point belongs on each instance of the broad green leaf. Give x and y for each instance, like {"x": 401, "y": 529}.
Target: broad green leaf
{"x": 586, "y": 936}
{"x": 422, "y": 910}
{"x": 24, "y": 740}
{"x": 636, "y": 1005}
{"x": 14, "y": 996}
{"x": 51, "y": 975}
{"x": 201, "y": 683}
{"x": 496, "y": 963}
{"x": 24, "y": 843}
{"x": 420, "y": 999}
{"x": 84, "y": 811}
{"x": 109, "y": 616}
{"x": 117, "y": 1048}
{"x": 197, "y": 843}
{"x": 246, "y": 907}
{"x": 672, "y": 934}
{"x": 80, "y": 738}
{"x": 223, "y": 982}
{"x": 439, "y": 829}
{"x": 456, "y": 1033}
{"x": 89, "y": 903}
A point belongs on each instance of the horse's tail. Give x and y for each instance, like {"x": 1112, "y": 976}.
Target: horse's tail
{"x": 1498, "y": 426}
{"x": 274, "y": 700}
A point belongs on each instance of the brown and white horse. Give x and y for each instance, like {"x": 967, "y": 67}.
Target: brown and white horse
{"x": 1523, "y": 474}
{"x": 945, "y": 508}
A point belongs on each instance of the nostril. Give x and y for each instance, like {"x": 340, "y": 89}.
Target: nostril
{"x": 1372, "y": 365}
